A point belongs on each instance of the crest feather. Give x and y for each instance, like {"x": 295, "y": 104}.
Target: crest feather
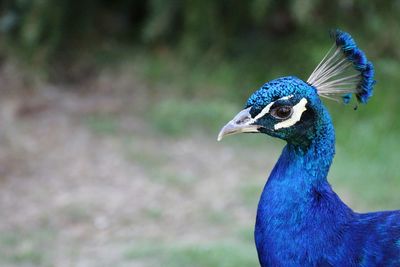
{"x": 345, "y": 70}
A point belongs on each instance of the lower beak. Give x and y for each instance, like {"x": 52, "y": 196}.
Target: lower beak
{"x": 241, "y": 123}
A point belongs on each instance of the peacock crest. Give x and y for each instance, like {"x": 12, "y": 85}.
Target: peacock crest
{"x": 345, "y": 70}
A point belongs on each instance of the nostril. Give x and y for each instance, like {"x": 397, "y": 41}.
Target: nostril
{"x": 241, "y": 121}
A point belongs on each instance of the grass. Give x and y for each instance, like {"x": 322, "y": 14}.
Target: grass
{"x": 220, "y": 254}
{"x": 220, "y": 217}
{"x": 153, "y": 213}
{"x": 102, "y": 124}
{"x": 25, "y": 248}
{"x": 249, "y": 193}
{"x": 246, "y": 234}
{"x": 172, "y": 178}
{"x": 75, "y": 213}
{"x": 156, "y": 163}
{"x": 367, "y": 167}
{"x": 147, "y": 158}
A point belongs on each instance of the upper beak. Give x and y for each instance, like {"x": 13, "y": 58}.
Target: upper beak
{"x": 241, "y": 123}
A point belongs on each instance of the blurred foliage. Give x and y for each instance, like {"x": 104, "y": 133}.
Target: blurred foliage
{"x": 43, "y": 30}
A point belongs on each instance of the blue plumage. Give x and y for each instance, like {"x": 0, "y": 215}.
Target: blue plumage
{"x": 300, "y": 219}
{"x": 367, "y": 83}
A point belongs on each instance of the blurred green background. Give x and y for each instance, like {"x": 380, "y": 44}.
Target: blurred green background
{"x": 109, "y": 112}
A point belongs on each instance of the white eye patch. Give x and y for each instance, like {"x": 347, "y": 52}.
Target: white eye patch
{"x": 263, "y": 111}
{"x": 298, "y": 110}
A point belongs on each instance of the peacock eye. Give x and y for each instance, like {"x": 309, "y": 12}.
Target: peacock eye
{"x": 282, "y": 112}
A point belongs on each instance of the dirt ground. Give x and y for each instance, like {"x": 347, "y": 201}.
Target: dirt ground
{"x": 85, "y": 180}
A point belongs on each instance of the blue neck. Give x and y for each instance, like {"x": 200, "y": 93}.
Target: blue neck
{"x": 298, "y": 200}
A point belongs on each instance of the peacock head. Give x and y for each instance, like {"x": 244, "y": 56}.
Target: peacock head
{"x": 286, "y": 108}
{"x": 291, "y": 109}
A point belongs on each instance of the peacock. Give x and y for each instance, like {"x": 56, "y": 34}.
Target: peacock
{"x": 300, "y": 220}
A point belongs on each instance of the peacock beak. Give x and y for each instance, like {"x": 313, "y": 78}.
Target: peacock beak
{"x": 241, "y": 123}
